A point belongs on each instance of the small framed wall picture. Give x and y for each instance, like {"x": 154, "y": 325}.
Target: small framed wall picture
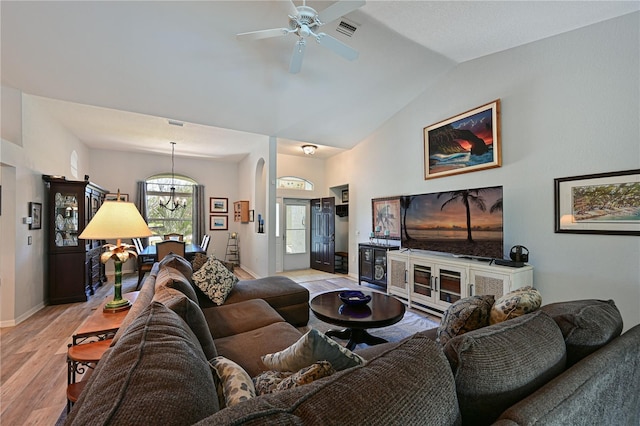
{"x": 218, "y": 205}
{"x": 251, "y": 215}
{"x": 35, "y": 211}
{"x": 345, "y": 195}
{"x": 218, "y": 222}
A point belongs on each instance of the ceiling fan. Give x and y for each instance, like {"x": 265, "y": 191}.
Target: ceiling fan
{"x": 304, "y": 22}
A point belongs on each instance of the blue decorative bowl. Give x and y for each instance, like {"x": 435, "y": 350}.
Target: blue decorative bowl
{"x": 354, "y": 298}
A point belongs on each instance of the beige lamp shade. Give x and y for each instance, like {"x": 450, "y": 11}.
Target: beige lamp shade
{"x": 116, "y": 220}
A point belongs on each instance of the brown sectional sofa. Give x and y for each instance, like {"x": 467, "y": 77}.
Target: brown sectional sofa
{"x": 511, "y": 373}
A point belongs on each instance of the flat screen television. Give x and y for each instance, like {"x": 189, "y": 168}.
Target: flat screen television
{"x": 466, "y": 222}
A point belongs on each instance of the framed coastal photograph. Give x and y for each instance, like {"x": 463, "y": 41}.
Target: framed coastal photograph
{"x": 218, "y": 222}
{"x": 218, "y": 205}
{"x": 114, "y": 197}
{"x": 604, "y": 203}
{"x": 386, "y": 217}
{"x": 464, "y": 143}
{"x": 35, "y": 211}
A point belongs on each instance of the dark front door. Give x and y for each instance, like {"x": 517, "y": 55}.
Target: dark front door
{"x": 323, "y": 217}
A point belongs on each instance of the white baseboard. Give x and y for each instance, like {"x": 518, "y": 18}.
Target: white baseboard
{"x": 26, "y": 315}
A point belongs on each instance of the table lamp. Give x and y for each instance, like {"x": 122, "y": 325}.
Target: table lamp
{"x": 115, "y": 220}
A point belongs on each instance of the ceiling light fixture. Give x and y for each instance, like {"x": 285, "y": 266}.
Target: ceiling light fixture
{"x": 173, "y": 203}
{"x": 309, "y": 149}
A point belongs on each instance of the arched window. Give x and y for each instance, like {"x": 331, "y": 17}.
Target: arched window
{"x": 164, "y": 221}
{"x": 292, "y": 182}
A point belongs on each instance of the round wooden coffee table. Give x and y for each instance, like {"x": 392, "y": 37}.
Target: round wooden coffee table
{"x": 381, "y": 311}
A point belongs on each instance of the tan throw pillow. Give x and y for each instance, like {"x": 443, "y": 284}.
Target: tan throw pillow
{"x": 516, "y": 303}
{"x": 275, "y": 381}
{"x": 215, "y": 280}
{"x": 465, "y": 315}
{"x": 171, "y": 277}
{"x": 310, "y": 348}
{"x": 237, "y": 386}
{"x": 199, "y": 259}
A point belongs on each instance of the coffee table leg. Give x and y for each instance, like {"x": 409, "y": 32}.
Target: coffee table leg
{"x": 355, "y": 336}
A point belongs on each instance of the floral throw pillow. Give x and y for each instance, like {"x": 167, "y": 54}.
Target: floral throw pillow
{"x": 463, "y": 316}
{"x": 516, "y": 303}
{"x": 237, "y": 386}
{"x": 275, "y": 381}
{"x": 214, "y": 280}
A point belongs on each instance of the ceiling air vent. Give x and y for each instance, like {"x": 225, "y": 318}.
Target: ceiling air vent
{"x": 347, "y": 27}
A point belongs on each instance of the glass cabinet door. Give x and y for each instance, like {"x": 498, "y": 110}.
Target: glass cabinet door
{"x": 66, "y": 219}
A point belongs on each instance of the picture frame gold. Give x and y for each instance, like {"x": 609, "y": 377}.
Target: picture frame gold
{"x": 464, "y": 143}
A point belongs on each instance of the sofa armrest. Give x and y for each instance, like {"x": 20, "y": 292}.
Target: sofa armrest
{"x": 604, "y": 387}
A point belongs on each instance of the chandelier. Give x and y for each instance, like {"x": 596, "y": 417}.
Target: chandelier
{"x": 173, "y": 203}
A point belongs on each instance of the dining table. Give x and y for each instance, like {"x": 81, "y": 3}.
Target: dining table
{"x": 190, "y": 250}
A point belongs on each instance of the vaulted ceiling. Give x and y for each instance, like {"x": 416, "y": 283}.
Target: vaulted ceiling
{"x": 115, "y": 72}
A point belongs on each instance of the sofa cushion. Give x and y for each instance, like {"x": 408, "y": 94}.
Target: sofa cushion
{"x": 314, "y": 346}
{"x": 464, "y": 315}
{"x": 191, "y": 314}
{"x": 142, "y": 301}
{"x": 177, "y": 262}
{"x": 498, "y": 365}
{"x": 214, "y": 280}
{"x": 411, "y": 384}
{"x": 237, "y": 386}
{"x": 513, "y": 304}
{"x": 157, "y": 356}
{"x": 171, "y": 277}
{"x": 587, "y": 325}
{"x": 246, "y": 348}
{"x": 274, "y": 381}
{"x": 227, "y": 320}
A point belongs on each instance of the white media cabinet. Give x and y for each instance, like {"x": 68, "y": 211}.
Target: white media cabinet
{"x": 433, "y": 281}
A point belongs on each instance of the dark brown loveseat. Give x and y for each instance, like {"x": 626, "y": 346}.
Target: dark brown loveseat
{"x": 512, "y": 373}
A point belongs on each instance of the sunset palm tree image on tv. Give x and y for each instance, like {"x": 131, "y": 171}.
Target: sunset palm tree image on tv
{"x": 466, "y": 222}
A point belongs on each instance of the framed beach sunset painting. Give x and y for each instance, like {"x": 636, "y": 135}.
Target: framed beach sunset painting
{"x": 464, "y": 143}
{"x": 604, "y": 203}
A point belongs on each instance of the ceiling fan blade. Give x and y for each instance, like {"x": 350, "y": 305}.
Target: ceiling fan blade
{"x": 257, "y": 35}
{"x": 296, "y": 57}
{"x": 339, "y": 9}
{"x": 293, "y": 10}
{"x": 337, "y": 46}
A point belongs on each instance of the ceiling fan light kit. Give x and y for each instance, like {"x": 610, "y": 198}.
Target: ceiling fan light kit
{"x": 304, "y": 22}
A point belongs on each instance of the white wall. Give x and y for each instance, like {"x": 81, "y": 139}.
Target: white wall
{"x": 45, "y": 148}
{"x": 570, "y": 106}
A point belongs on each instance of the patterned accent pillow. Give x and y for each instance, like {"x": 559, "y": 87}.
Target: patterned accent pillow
{"x": 237, "y": 386}
{"x": 199, "y": 259}
{"x": 310, "y": 348}
{"x": 215, "y": 280}
{"x": 516, "y": 303}
{"x": 465, "y": 315}
{"x": 274, "y": 381}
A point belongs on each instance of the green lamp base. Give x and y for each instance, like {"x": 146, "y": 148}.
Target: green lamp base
{"x": 116, "y": 306}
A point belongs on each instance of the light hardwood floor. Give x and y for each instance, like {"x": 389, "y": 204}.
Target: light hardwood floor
{"x": 33, "y": 368}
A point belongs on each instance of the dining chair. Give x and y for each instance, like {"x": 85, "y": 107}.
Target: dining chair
{"x": 165, "y": 247}
{"x": 205, "y": 242}
{"x": 174, "y": 236}
{"x": 145, "y": 263}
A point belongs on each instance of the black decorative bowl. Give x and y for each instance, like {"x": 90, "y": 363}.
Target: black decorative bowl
{"x": 354, "y": 298}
